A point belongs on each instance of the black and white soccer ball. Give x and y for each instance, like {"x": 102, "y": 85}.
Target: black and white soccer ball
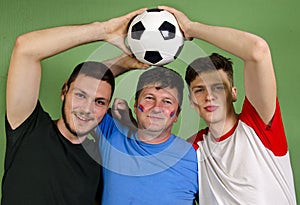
{"x": 154, "y": 37}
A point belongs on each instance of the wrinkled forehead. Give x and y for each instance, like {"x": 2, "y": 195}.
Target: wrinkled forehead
{"x": 153, "y": 88}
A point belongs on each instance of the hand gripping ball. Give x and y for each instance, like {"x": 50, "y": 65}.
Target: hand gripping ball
{"x": 154, "y": 37}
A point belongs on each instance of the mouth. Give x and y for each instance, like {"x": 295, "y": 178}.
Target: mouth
{"x": 211, "y": 108}
{"x": 156, "y": 117}
{"x": 82, "y": 118}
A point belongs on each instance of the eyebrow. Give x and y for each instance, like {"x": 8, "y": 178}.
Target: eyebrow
{"x": 198, "y": 86}
{"x": 205, "y": 85}
{"x": 78, "y": 89}
{"x": 97, "y": 98}
{"x": 164, "y": 97}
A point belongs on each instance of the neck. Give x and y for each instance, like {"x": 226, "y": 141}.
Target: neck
{"x": 67, "y": 134}
{"x": 220, "y": 128}
{"x": 151, "y": 137}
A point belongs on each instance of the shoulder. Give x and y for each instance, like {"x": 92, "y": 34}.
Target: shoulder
{"x": 32, "y": 128}
{"x": 182, "y": 149}
{"x": 197, "y": 137}
{"x": 271, "y": 135}
{"x": 178, "y": 140}
{"x": 179, "y": 144}
{"x": 38, "y": 116}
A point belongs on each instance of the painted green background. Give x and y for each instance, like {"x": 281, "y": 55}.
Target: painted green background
{"x": 277, "y": 21}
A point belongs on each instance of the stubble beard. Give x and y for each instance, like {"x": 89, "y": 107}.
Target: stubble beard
{"x": 67, "y": 124}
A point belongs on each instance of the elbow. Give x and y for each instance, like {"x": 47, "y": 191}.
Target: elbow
{"x": 260, "y": 50}
{"x": 22, "y": 45}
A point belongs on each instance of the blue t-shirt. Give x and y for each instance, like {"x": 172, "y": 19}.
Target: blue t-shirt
{"x": 139, "y": 173}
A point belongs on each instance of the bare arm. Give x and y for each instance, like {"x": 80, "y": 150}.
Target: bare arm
{"x": 30, "y": 49}
{"x": 124, "y": 63}
{"x": 260, "y": 83}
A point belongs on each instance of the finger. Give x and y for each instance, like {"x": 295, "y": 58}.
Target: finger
{"x": 120, "y": 43}
{"x": 135, "y": 63}
{"x": 114, "y": 105}
{"x": 120, "y": 104}
{"x": 141, "y": 65}
{"x": 167, "y": 8}
{"x": 125, "y": 49}
{"x": 134, "y": 13}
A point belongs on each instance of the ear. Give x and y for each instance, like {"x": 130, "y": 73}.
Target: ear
{"x": 135, "y": 107}
{"x": 234, "y": 94}
{"x": 176, "y": 116}
{"x": 64, "y": 91}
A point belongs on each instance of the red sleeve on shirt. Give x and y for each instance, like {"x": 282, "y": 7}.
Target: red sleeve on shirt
{"x": 197, "y": 137}
{"x": 272, "y": 136}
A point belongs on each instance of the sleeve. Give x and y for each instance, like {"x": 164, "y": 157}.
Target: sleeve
{"x": 109, "y": 125}
{"x": 197, "y": 138}
{"x": 15, "y": 137}
{"x": 273, "y": 135}
{"x": 106, "y": 126}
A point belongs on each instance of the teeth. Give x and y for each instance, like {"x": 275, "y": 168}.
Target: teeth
{"x": 81, "y": 118}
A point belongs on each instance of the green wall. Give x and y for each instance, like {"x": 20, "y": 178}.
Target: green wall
{"x": 275, "y": 20}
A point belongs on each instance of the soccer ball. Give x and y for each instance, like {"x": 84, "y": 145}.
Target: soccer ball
{"x": 154, "y": 37}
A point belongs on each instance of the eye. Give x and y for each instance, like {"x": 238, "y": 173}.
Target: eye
{"x": 198, "y": 90}
{"x": 100, "y": 102}
{"x": 79, "y": 95}
{"x": 149, "y": 97}
{"x": 220, "y": 87}
{"x": 167, "y": 101}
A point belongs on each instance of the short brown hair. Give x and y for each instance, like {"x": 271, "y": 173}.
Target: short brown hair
{"x": 164, "y": 77}
{"x": 210, "y": 63}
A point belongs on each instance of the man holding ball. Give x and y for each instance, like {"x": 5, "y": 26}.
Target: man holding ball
{"x": 45, "y": 162}
{"x": 242, "y": 158}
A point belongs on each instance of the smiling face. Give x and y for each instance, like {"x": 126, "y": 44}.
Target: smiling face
{"x": 85, "y": 103}
{"x": 156, "y": 110}
{"x": 212, "y": 95}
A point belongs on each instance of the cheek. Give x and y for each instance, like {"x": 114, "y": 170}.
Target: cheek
{"x": 171, "y": 112}
{"x": 73, "y": 103}
{"x": 99, "y": 113}
{"x": 68, "y": 106}
{"x": 141, "y": 108}
{"x": 198, "y": 98}
{"x": 144, "y": 107}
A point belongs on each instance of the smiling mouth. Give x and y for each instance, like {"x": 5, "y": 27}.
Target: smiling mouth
{"x": 156, "y": 117}
{"x": 82, "y": 118}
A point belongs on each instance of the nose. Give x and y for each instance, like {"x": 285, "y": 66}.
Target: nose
{"x": 87, "y": 107}
{"x": 209, "y": 95}
{"x": 157, "y": 106}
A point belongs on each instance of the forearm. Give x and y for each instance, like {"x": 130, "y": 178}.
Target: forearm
{"x": 124, "y": 63}
{"x": 244, "y": 45}
{"x": 45, "y": 43}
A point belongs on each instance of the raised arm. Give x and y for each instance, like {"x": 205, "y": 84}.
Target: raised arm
{"x": 259, "y": 77}
{"x": 30, "y": 49}
{"x": 124, "y": 63}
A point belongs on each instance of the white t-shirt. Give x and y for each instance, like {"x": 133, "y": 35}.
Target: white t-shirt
{"x": 248, "y": 165}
